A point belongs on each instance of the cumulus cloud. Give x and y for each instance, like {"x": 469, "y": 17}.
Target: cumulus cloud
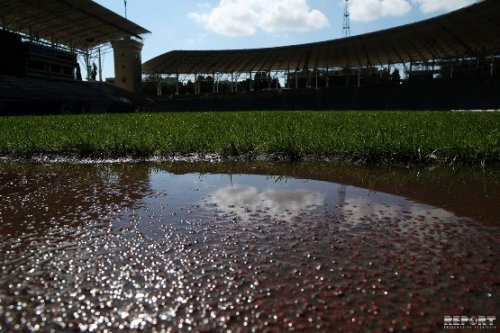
{"x": 429, "y": 6}
{"x": 369, "y": 10}
{"x": 245, "y": 17}
{"x": 244, "y": 201}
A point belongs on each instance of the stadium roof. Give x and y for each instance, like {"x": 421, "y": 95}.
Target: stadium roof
{"x": 80, "y": 24}
{"x": 470, "y": 31}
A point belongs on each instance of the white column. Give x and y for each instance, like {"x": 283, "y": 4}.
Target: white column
{"x": 158, "y": 85}
{"x": 177, "y": 84}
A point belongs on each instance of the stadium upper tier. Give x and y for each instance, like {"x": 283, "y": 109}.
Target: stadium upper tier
{"x": 79, "y": 24}
{"x": 469, "y": 32}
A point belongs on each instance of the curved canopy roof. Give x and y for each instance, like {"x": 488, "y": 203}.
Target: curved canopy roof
{"x": 80, "y": 24}
{"x": 470, "y": 31}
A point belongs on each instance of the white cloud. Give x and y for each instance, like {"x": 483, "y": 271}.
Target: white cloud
{"x": 370, "y": 10}
{"x": 245, "y": 201}
{"x": 429, "y": 6}
{"x": 245, "y": 17}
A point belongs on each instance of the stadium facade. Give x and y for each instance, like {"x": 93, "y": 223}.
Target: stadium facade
{"x": 41, "y": 44}
{"x": 447, "y": 62}
{"x": 455, "y": 52}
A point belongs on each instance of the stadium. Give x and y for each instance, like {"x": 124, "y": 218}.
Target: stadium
{"x": 450, "y": 62}
{"x": 248, "y": 190}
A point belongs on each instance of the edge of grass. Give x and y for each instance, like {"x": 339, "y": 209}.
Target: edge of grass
{"x": 361, "y": 137}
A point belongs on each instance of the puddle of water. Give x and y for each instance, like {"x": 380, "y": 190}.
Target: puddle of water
{"x": 223, "y": 247}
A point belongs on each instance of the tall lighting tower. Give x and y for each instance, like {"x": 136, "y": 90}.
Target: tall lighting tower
{"x": 125, "y": 3}
{"x": 346, "y": 28}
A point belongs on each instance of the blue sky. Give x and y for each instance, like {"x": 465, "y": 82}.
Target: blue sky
{"x": 233, "y": 24}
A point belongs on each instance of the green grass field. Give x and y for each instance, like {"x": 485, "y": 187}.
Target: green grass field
{"x": 409, "y": 137}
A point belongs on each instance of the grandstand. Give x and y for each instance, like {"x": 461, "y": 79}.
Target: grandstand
{"x": 448, "y": 62}
{"x": 41, "y": 41}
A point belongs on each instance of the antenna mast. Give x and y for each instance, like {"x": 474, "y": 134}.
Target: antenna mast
{"x": 346, "y": 28}
{"x": 125, "y": 3}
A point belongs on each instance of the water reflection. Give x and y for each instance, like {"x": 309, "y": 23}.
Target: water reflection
{"x": 244, "y": 201}
{"x": 150, "y": 248}
{"x": 465, "y": 191}
{"x": 377, "y": 208}
{"x": 38, "y": 197}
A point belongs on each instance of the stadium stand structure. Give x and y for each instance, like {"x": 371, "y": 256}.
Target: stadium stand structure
{"x": 448, "y": 62}
{"x": 23, "y": 95}
{"x": 39, "y": 72}
{"x": 434, "y": 95}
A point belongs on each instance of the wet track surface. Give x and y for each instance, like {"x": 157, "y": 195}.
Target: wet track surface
{"x": 154, "y": 248}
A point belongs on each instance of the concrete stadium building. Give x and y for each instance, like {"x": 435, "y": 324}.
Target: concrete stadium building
{"x": 447, "y": 62}
{"x": 462, "y": 45}
{"x": 41, "y": 44}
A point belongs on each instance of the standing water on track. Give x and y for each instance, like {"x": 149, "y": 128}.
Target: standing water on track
{"x": 245, "y": 247}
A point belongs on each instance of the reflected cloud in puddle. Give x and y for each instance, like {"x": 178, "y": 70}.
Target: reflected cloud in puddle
{"x": 359, "y": 208}
{"x": 420, "y": 220}
{"x": 244, "y": 201}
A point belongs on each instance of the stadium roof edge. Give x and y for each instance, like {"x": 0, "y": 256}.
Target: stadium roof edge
{"x": 79, "y": 24}
{"x": 467, "y": 31}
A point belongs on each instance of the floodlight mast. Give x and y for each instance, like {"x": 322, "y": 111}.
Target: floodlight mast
{"x": 125, "y": 3}
{"x": 346, "y": 28}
